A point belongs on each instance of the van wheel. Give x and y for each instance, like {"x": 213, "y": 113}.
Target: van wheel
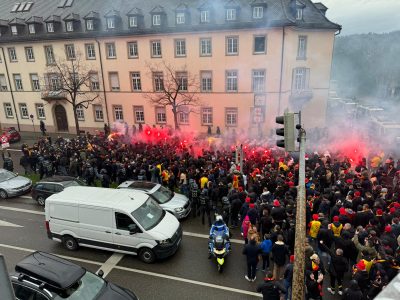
{"x": 3, "y": 194}
{"x": 41, "y": 201}
{"x": 147, "y": 255}
{"x": 70, "y": 243}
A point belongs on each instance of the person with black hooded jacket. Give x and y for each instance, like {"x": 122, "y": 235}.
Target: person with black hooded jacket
{"x": 270, "y": 288}
{"x": 353, "y": 292}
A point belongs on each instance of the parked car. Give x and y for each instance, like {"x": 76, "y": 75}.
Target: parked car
{"x": 10, "y": 135}
{"x": 44, "y": 276}
{"x": 175, "y": 203}
{"x": 11, "y": 184}
{"x": 51, "y": 185}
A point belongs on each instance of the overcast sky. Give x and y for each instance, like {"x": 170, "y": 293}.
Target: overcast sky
{"x": 363, "y": 16}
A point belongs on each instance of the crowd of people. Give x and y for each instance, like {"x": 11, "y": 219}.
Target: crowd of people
{"x": 353, "y": 210}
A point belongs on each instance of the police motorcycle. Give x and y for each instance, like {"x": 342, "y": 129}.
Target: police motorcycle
{"x": 219, "y": 245}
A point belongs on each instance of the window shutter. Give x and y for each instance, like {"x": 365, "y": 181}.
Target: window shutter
{"x": 114, "y": 81}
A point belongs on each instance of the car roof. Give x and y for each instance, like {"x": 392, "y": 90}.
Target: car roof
{"x": 98, "y": 196}
{"x": 53, "y": 270}
{"x": 138, "y": 184}
{"x": 57, "y": 178}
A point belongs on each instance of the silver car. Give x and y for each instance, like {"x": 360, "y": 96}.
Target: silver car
{"x": 12, "y": 184}
{"x": 175, "y": 203}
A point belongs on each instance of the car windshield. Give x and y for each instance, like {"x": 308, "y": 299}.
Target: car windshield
{"x": 87, "y": 288}
{"x": 162, "y": 195}
{"x": 149, "y": 214}
{"x": 75, "y": 182}
{"x": 6, "y": 175}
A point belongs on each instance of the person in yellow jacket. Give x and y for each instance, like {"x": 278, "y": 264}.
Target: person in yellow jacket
{"x": 314, "y": 226}
{"x": 336, "y": 227}
{"x": 165, "y": 177}
{"x": 203, "y": 181}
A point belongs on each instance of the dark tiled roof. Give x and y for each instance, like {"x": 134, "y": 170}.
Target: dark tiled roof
{"x": 277, "y": 13}
{"x": 135, "y": 11}
{"x": 72, "y": 17}
{"x": 17, "y": 21}
{"x": 33, "y": 19}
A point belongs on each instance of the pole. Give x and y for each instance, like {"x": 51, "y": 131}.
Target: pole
{"x": 7, "y": 292}
{"x": 299, "y": 245}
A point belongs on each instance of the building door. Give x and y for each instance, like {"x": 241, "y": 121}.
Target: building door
{"x": 61, "y": 118}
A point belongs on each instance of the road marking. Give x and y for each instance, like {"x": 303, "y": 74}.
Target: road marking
{"x": 25, "y": 197}
{"x": 14, "y": 150}
{"x": 187, "y": 233}
{"x": 7, "y": 224}
{"x": 210, "y": 285}
{"x": 110, "y": 263}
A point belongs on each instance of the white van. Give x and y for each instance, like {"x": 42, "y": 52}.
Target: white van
{"x": 108, "y": 219}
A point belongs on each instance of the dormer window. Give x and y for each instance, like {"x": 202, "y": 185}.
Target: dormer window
{"x": 50, "y": 27}
{"x": 299, "y": 13}
{"x": 14, "y": 30}
{"x": 92, "y": 21}
{"x": 111, "y": 23}
{"x": 89, "y": 25}
{"x": 231, "y": 14}
{"x": 258, "y": 12}
{"x": 204, "y": 16}
{"x": 69, "y": 26}
{"x": 133, "y": 21}
{"x": 31, "y": 28}
{"x": 180, "y": 18}
{"x": 156, "y": 20}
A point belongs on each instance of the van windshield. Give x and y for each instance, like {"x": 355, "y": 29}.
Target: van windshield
{"x": 149, "y": 214}
{"x": 162, "y": 195}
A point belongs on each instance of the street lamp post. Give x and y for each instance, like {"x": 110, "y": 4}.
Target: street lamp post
{"x": 33, "y": 124}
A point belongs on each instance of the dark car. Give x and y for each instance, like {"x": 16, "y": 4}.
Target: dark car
{"x": 52, "y": 185}
{"x": 10, "y": 135}
{"x": 44, "y": 276}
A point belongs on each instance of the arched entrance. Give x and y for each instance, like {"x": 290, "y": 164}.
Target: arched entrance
{"x": 61, "y": 118}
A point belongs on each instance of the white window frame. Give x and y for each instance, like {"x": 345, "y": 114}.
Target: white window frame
{"x": 80, "y": 113}
{"x": 31, "y": 28}
{"x": 23, "y": 110}
{"x": 204, "y": 16}
{"x": 255, "y": 51}
{"x": 158, "y": 81}
{"x": 206, "y": 116}
{"x": 232, "y": 45}
{"x": 258, "y": 80}
{"x": 231, "y": 81}
{"x": 136, "y": 81}
{"x": 18, "y": 82}
{"x": 180, "y": 18}
{"x": 115, "y": 80}
{"x": 302, "y": 47}
{"x": 206, "y": 81}
{"x": 182, "y": 78}
{"x": 118, "y": 113}
{"x": 180, "y": 48}
{"x": 299, "y": 14}
{"x": 161, "y": 115}
{"x": 70, "y": 51}
{"x": 98, "y": 113}
{"x": 300, "y": 79}
{"x": 12, "y": 53}
{"x": 40, "y": 112}
{"x": 133, "y": 21}
{"x": 111, "y": 51}
{"x": 50, "y": 59}
{"x": 110, "y": 23}
{"x": 205, "y": 47}
{"x": 156, "y": 50}
{"x": 230, "y": 14}
{"x": 69, "y": 26}
{"x": 8, "y": 110}
{"x": 14, "y": 30}
{"x": 50, "y": 27}
{"x": 231, "y": 116}
{"x": 90, "y": 51}
{"x": 258, "y": 12}
{"x": 94, "y": 81}
{"x": 90, "y": 25}
{"x": 133, "y": 49}
{"x": 30, "y": 56}
{"x": 138, "y": 112}
{"x": 156, "y": 20}
{"x": 3, "y": 83}
{"x": 35, "y": 82}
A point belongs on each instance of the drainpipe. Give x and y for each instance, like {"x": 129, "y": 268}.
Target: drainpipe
{"x": 11, "y": 90}
{"x": 281, "y": 77}
{"x": 102, "y": 79}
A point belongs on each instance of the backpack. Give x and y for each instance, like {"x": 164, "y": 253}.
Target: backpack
{"x": 203, "y": 199}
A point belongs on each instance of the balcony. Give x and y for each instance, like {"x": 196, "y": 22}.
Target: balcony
{"x": 298, "y": 98}
{"x": 54, "y": 95}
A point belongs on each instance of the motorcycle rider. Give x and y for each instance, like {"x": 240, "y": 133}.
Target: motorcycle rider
{"x": 218, "y": 228}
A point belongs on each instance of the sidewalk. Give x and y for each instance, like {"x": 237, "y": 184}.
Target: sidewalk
{"x": 29, "y": 137}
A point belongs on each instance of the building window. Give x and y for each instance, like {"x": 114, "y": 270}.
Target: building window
{"x": 118, "y": 113}
{"x": 206, "y": 81}
{"x": 180, "y": 48}
{"x": 14, "y": 30}
{"x": 35, "y": 82}
{"x": 161, "y": 116}
{"x": 8, "y": 110}
{"x": 231, "y": 81}
{"x": 133, "y": 21}
{"x": 299, "y": 14}
{"x": 232, "y": 44}
{"x": 110, "y": 23}
{"x": 136, "y": 81}
{"x": 206, "y": 116}
{"x": 94, "y": 81}
{"x": 114, "y": 81}
{"x": 158, "y": 81}
{"x": 54, "y": 82}
{"x": 18, "y": 82}
{"x": 49, "y": 55}
{"x": 98, "y": 113}
{"x": 183, "y": 115}
{"x": 258, "y": 12}
{"x": 30, "y": 57}
{"x": 180, "y": 18}
{"x": 258, "y": 81}
{"x": 139, "y": 114}
{"x": 260, "y": 44}
{"x": 231, "y": 116}
{"x": 90, "y": 51}
{"x": 3, "y": 83}
{"x": 111, "y": 51}
{"x": 50, "y": 27}
{"x": 133, "y": 51}
{"x": 69, "y": 26}
{"x": 231, "y": 14}
{"x": 205, "y": 16}
{"x": 205, "y": 47}
{"x": 31, "y": 28}
{"x": 89, "y": 25}
{"x": 300, "y": 79}
{"x": 80, "y": 114}
{"x": 182, "y": 80}
{"x": 156, "y": 20}
{"x": 302, "y": 47}
{"x": 40, "y": 111}
{"x": 156, "y": 49}
{"x": 12, "y": 54}
{"x": 70, "y": 51}
{"x": 23, "y": 109}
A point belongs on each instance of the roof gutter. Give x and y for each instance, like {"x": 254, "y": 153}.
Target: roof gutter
{"x": 102, "y": 79}
{"x": 11, "y": 90}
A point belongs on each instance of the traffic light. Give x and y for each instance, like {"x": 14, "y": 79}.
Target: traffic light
{"x": 287, "y": 120}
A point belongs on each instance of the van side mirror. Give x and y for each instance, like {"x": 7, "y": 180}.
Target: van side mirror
{"x": 100, "y": 273}
{"x": 133, "y": 229}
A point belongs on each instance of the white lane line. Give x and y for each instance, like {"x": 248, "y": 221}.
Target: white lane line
{"x": 225, "y": 288}
{"x": 110, "y": 263}
{"x": 25, "y": 197}
{"x": 14, "y": 150}
{"x": 205, "y": 236}
{"x": 35, "y": 212}
{"x": 210, "y": 285}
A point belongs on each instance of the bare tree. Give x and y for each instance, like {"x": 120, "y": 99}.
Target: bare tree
{"x": 70, "y": 80}
{"x": 176, "y": 88}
